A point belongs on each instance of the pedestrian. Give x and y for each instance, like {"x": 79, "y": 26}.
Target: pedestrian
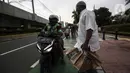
{"x": 72, "y": 31}
{"x": 88, "y": 38}
{"x": 67, "y": 33}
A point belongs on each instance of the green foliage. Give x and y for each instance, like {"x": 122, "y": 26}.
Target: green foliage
{"x": 103, "y": 16}
{"x": 127, "y": 1}
{"x": 75, "y": 16}
{"x": 127, "y": 12}
{"x": 121, "y": 28}
{"x": 122, "y": 18}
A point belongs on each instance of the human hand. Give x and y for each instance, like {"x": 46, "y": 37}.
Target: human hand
{"x": 85, "y": 47}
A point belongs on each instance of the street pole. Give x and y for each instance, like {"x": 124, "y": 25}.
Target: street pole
{"x": 33, "y": 9}
{"x": 116, "y": 34}
{"x": 59, "y": 18}
{"x": 8, "y": 1}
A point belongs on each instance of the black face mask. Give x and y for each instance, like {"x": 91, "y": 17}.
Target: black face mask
{"x": 53, "y": 21}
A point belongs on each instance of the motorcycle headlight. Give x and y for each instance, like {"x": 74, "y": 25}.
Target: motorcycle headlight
{"x": 49, "y": 49}
{"x": 39, "y": 48}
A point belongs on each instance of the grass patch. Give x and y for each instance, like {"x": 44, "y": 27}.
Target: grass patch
{"x": 123, "y": 29}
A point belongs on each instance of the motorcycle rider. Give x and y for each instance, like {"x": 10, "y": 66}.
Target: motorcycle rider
{"x": 51, "y": 29}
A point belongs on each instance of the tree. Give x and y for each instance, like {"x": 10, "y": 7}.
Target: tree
{"x": 127, "y": 1}
{"x": 122, "y": 18}
{"x": 103, "y": 16}
{"x": 127, "y": 12}
{"x": 117, "y": 19}
{"x": 75, "y": 16}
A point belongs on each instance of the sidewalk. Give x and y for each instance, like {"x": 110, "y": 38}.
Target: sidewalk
{"x": 115, "y": 56}
{"x": 13, "y": 37}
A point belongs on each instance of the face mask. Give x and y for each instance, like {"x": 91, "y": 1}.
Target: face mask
{"x": 53, "y": 22}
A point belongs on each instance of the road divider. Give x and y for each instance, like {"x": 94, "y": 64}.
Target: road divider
{"x": 17, "y": 49}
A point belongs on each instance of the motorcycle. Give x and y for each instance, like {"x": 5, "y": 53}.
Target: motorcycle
{"x": 50, "y": 51}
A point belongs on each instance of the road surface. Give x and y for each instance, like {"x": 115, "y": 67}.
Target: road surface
{"x": 16, "y": 56}
{"x": 19, "y": 55}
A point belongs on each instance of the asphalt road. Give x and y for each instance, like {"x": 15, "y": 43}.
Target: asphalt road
{"x": 17, "y": 56}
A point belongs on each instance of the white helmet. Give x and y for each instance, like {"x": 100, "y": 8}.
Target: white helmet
{"x": 53, "y": 16}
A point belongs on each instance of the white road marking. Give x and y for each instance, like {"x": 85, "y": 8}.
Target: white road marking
{"x": 35, "y": 64}
{"x": 17, "y": 49}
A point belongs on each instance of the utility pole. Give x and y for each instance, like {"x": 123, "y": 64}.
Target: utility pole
{"x": 59, "y": 18}
{"x": 3, "y": 0}
{"x": 94, "y": 7}
{"x": 8, "y": 1}
{"x": 33, "y": 10}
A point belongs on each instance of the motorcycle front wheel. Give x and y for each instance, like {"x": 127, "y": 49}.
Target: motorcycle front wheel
{"x": 45, "y": 64}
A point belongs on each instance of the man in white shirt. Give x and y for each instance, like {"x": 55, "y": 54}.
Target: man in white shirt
{"x": 88, "y": 38}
